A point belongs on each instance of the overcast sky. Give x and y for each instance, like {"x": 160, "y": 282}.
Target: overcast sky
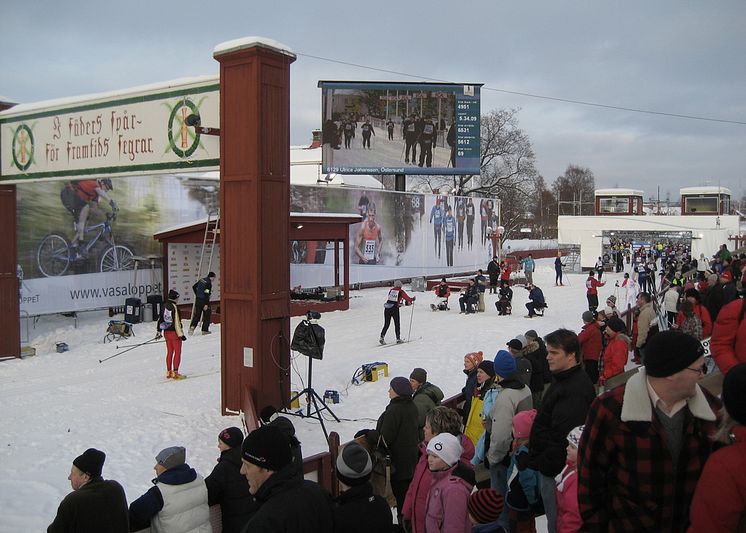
{"x": 680, "y": 57}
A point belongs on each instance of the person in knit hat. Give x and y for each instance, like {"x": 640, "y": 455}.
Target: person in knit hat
{"x": 471, "y": 362}
{"x": 673, "y": 419}
{"x": 452, "y": 483}
{"x": 485, "y": 506}
{"x": 177, "y": 501}
{"x": 226, "y": 486}
{"x": 95, "y": 504}
{"x": 611, "y": 309}
{"x": 426, "y": 396}
{"x": 522, "y": 499}
{"x": 719, "y": 503}
{"x": 512, "y": 397}
{"x": 480, "y": 411}
{"x": 536, "y": 352}
{"x": 169, "y": 326}
{"x": 397, "y": 430}
{"x": 568, "y": 516}
{"x": 356, "y": 499}
{"x": 283, "y": 501}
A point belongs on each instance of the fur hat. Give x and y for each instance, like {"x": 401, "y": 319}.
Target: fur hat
{"x": 505, "y": 365}
{"x": 588, "y": 316}
{"x": 474, "y": 357}
{"x": 354, "y": 465}
{"x": 419, "y": 375}
{"x": 90, "y": 462}
{"x": 231, "y": 436}
{"x": 173, "y": 294}
{"x": 485, "y": 506}
{"x": 401, "y": 386}
{"x": 574, "y": 436}
{"x": 445, "y": 446}
{"x": 171, "y": 457}
{"x": 522, "y": 423}
{"x": 488, "y": 367}
{"x": 669, "y": 352}
{"x": 267, "y": 447}
{"x": 734, "y": 393}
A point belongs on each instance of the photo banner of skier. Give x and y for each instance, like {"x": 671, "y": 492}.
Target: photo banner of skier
{"x": 400, "y": 128}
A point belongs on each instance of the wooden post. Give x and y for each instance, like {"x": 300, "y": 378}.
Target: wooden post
{"x": 255, "y": 211}
{"x": 10, "y": 340}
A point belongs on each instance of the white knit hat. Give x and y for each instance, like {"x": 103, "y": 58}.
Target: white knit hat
{"x": 574, "y": 436}
{"x": 445, "y": 446}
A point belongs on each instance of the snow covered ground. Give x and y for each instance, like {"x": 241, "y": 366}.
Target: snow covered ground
{"x": 55, "y": 405}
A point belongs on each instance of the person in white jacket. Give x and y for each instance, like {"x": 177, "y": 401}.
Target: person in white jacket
{"x": 177, "y": 502}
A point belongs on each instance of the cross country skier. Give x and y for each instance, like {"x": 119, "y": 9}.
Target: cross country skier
{"x": 367, "y": 130}
{"x": 391, "y": 310}
{"x": 390, "y": 129}
{"x": 436, "y": 217}
{"x": 470, "y": 215}
{"x": 428, "y": 136}
{"x": 410, "y": 133}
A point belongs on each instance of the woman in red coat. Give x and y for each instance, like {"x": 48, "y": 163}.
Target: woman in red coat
{"x": 616, "y": 352}
{"x": 719, "y": 502}
{"x": 728, "y": 343}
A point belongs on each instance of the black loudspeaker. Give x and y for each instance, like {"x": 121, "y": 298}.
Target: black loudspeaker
{"x": 132, "y": 310}
{"x": 156, "y": 300}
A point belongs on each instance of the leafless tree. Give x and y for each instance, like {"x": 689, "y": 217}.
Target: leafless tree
{"x": 574, "y": 191}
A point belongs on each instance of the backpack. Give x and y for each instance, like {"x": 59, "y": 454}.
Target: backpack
{"x": 68, "y": 197}
{"x": 692, "y": 325}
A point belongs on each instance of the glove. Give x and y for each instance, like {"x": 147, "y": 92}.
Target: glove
{"x": 183, "y": 337}
{"x": 414, "y": 298}
{"x": 114, "y": 206}
{"x": 158, "y": 335}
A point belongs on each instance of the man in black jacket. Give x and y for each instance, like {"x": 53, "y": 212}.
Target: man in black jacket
{"x": 356, "y": 509}
{"x": 202, "y": 292}
{"x": 226, "y": 486}
{"x": 286, "y": 504}
{"x": 95, "y": 504}
{"x": 564, "y": 407}
{"x": 536, "y": 352}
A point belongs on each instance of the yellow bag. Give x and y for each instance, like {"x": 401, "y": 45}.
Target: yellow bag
{"x": 474, "y": 428}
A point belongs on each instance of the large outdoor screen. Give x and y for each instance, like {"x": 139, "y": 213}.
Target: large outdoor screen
{"x": 400, "y": 128}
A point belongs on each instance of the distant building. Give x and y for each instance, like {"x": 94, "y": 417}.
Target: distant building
{"x": 618, "y": 202}
{"x": 705, "y": 201}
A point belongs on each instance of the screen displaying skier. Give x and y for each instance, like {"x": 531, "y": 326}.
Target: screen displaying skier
{"x": 400, "y": 128}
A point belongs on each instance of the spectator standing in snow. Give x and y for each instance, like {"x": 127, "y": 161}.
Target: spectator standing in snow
{"x": 616, "y": 352}
{"x": 95, "y": 504}
{"x": 202, "y": 292}
{"x": 471, "y": 363}
{"x": 729, "y": 336}
{"x": 645, "y": 442}
{"x": 493, "y": 271}
{"x": 529, "y": 265}
{"x": 178, "y": 499}
{"x": 590, "y": 344}
{"x": 226, "y": 486}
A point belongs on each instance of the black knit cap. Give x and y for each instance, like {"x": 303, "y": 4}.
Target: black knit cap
{"x": 734, "y": 393}
{"x": 91, "y": 462}
{"x": 669, "y": 352}
{"x": 419, "y": 375}
{"x": 267, "y": 447}
{"x": 488, "y": 367}
{"x": 173, "y": 294}
{"x": 401, "y": 386}
{"x": 354, "y": 465}
{"x": 231, "y": 436}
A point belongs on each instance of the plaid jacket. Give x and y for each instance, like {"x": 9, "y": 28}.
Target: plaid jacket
{"x": 626, "y": 477}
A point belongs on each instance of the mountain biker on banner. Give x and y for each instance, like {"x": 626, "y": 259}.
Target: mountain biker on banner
{"x": 79, "y": 197}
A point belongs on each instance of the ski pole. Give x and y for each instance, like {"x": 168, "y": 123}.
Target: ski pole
{"x": 411, "y": 316}
{"x": 133, "y": 345}
{"x": 154, "y": 340}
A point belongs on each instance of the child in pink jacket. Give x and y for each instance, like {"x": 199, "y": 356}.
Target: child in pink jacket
{"x": 568, "y": 515}
{"x": 452, "y": 482}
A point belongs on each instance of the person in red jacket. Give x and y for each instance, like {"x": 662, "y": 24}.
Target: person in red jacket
{"x": 719, "y": 502}
{"x": 590, "y": 344}
{"x": 699, "y": 310}
{"x": 391, "y": 310}
{"x": 592, "y": 284}
{"x": 728, "y": 344}
{"x": 616, "y": 352}
{"x": 442, "y": 292}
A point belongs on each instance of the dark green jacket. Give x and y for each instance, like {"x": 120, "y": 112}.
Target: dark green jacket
{"x": 425, "y": 398}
